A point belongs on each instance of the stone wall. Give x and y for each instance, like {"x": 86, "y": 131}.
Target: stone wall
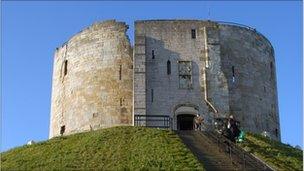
{"x": 92, "y": 80}
{"x": 180, "y": 67}
{"x": 253, "y": 90}
{"x": 248, "y": 92}
{"x": 171, "y": 41}
{"x": 139, "y": 71}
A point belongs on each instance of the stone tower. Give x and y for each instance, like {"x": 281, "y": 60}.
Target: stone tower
{"x": 92, "y": 80}
{"x": 181, "y": 68}
{"x": 188, "y": 67}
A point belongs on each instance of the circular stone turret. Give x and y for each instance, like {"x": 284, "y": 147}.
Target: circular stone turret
{"x": 247, "y": 59}
{"x": 92, "y": 80}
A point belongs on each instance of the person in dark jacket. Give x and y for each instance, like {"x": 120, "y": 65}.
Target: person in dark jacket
{"x": 233, "y": 130}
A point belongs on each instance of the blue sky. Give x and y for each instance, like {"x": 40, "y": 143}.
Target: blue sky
{"x": 32, "y": 30}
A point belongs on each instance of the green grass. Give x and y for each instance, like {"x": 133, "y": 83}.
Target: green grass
{"x": 278, "y": 155}
{"x": 118, "y": 148}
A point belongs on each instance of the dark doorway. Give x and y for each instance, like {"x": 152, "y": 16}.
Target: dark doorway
{"x": 185, "y": 122}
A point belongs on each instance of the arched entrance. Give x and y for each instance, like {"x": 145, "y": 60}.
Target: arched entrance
{"x": 184, "y": 117}
{"x": 185, "y": 122}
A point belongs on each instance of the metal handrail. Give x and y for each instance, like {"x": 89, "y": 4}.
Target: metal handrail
{"x": 239, "y": 153}
{"x": 154, "y": 121}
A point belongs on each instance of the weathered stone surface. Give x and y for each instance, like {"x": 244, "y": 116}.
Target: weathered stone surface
{"x": 232, "y": 72}
{"x": 253, "y": 94}
{"x": 96, "y": 91}
{"x": 172, "y": 41}
{"x": 249, "y": 94}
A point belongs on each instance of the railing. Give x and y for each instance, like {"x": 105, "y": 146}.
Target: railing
{"x": 237, "y": 153}
{"x": 154, "y": 121}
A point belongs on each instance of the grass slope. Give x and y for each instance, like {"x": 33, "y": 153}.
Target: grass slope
{"x": 117, "y": 148}
{"x": 278, "y": 155}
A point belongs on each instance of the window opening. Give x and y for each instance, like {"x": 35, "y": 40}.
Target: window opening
{"x": 65, "y": 68}
{"x": 233, "y": 74}
{"x": 193, "y": 33}
{"x": 168, "y": 67}
{"x": 271, "y": 70}
{"x": 121, "y": 100}
{"x": 95, "y": 115}
{"x": 185, "y": 74}
{"x": 152, "y": 95}
{"x": 120, "y": 70}
{"x": 153, "y": 54}
{"x": 62, "y": 130}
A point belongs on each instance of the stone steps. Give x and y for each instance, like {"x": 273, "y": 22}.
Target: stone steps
{"x": 209, "y": 154}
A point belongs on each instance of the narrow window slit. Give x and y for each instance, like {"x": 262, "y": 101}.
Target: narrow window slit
{"x": 120, "y": 70}
{"x": 153, "y": 55}
{"x": 193, "y": 33}
{"x": 168, "y": 67}
{"x": 271, "y": 70}
{"x": 233, "y": 74}
{"x": 65, "y": 68}
{"x": 152, "y": 95}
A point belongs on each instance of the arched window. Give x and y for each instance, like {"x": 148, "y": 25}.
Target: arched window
{"x": 168, "y": 67}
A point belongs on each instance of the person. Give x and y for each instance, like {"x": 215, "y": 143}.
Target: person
{"x": 233, "y": 130}
{"x": 198, "y": 120}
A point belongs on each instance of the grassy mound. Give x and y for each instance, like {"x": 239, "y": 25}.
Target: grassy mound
{"x": 117, "y": 148}
{"x": 278, "y": 155}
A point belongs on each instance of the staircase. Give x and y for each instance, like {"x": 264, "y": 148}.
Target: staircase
{"x": 219, "y": 154}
